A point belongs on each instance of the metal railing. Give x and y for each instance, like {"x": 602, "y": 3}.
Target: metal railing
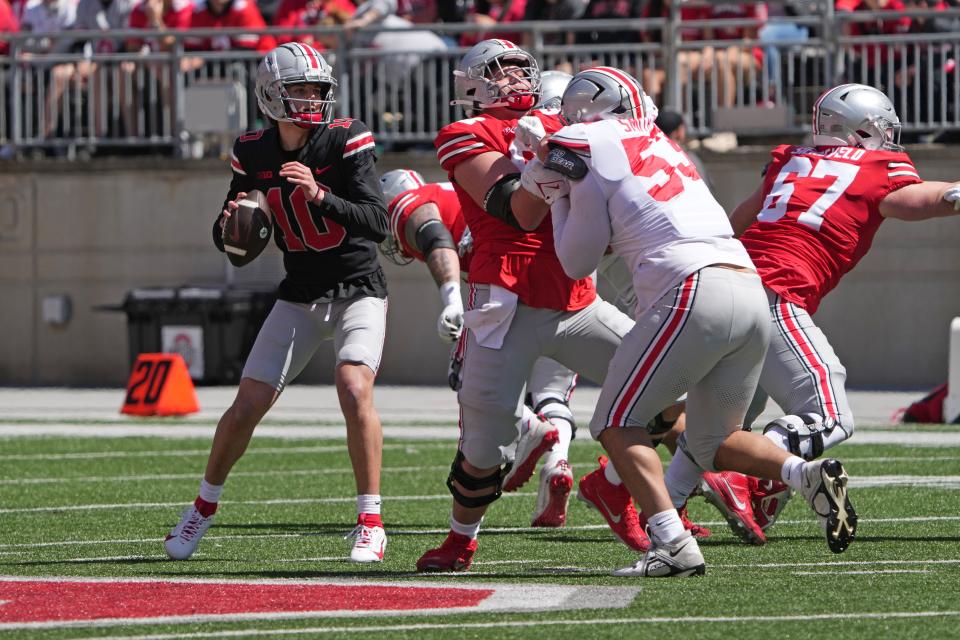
{"x": 765, "y": 85}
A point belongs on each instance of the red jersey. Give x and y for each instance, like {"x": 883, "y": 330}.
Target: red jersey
{"x": 177, "y": 16}
{"x": 524, "y": 262}
{"x": 240, "y": 13}
{"x": 308, "y": 13}
{"x": 821, "y": 209}
{"x": 8, "y": 24}
{"x": 440, "y": 194}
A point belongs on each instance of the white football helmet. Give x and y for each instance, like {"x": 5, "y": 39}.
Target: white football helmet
{"x": 856, "y": 115}
{"x": 603, "y": 93}
{"x": 289, "y": 64}
{"x": 393, "y": 183}
{"x": 475, "y": 78}
{"x": 552, "y": 85}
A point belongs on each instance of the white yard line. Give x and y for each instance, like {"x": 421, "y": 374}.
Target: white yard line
{"x": 518, "y": 624}
{"x": 289, "y": 432}
{"x": 834, "y": 563}
{"x": 857, "y": 573}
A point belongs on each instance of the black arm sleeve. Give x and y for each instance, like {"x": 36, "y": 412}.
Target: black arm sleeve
{"x": 238, "y": 183}
{"x": 433, "y": 235}
{"x": 363, "y": 212}
{"x": 497, "y": 200}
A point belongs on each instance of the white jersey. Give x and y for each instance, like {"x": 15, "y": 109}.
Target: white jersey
{"x": 643, "y": 198}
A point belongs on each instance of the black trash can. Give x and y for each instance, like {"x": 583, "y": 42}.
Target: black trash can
{"x": 213, "y": 328}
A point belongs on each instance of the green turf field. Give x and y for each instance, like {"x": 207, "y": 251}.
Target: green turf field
{"x": 100, "y": 508}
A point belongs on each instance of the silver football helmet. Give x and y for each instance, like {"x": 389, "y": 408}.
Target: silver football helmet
{"x": 475, "y": 79}
{"x": 552, "y": 85}
{"x": 856, "y": 115}
{"x": 290, "y": 64}
{"x": 393, "y": 183}
{"x": 603, "y": 93}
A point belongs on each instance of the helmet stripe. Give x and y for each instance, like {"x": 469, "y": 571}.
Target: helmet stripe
{"x": 506, "y": 44}
{"x": 308, "y": 54}
{"x": 633, "y": 90}
{"x": 413, "y": 176}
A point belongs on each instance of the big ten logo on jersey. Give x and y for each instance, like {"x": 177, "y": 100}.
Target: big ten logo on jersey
{"x": 659, "y": 163}
{"x": 342, "y": 123}
{"x": 308, "y": 234}
{"x": 806, "y": 188}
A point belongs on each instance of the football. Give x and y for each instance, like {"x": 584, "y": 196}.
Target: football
{"x": 247, "y": 232}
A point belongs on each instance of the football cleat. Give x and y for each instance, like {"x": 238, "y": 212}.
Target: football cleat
{"x": 768, "y": 498}
{"x": 680, "y": 557}
{"x": 183, "y": 540}
{"x": 553, "y": 496}
{"x": 824, "y": 486}
{"x": 616, "y": 506}
{"x": 538, "y": 439}
{"x": 729, "y": 492}
{"x": 369, "y": 542}
{"x": 455, "y": 554}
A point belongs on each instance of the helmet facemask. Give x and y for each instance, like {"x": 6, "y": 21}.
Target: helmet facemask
{"x": 312, "y": 111}
{"x": 391, "y": 250}
{"x": 489, "y": 89}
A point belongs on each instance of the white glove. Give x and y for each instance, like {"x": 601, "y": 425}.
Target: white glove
{"x": 546, "y": 184}
{"x": 952, "y": 195}
{"x": 450, "y": 322}
{"x": 529, "y": 133}
{"x": 649, "y": 107}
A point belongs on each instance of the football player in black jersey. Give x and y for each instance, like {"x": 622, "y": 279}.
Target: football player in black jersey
{"x": 328, "y": 216}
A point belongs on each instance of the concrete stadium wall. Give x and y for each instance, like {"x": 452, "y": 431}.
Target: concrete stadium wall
{"x": 95, "y": 231}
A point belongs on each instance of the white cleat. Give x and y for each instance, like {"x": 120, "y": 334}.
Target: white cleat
{"x": 183, "y": 540}
{"x": 369, "y": 543}
{"x": 680, "y": 557}
{"x": 538, "y": 439}
{"x": 825, "y": 489}
{"x": 553, "y": 496}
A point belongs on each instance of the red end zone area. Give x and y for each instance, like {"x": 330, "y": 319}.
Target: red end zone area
{"x": 60, "y": 601}
{"x": 50, "y": 602}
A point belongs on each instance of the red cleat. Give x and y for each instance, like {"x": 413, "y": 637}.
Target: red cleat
{"x": 614, "y": 502}
{"x": 696, "y": 530}
{"x": 768, "y": 498}
{"x": 729, "y": 492}
{"x": 455, "y": 554}
{"x": 555, "y": 485}
{"x": 538, "y": 439}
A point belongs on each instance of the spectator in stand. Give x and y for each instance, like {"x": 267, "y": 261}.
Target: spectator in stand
{"x": 867, "y": 61}
{"x": 488, "y": 13}
{"x": 923, "y": 65}
{"x": 214, "y": 14}
{"x": 49, "y": 16}
{"x": 8, "y": 24}
{"x": 555, "y": 10}
{"x": 690, "y": 61}
{"x": 155, "y": 15}
{"x": 418, "y": 11}
{"x": 313, "y": 13}
{"x": 737, "y": 63}
{"x": 610, "y": 10}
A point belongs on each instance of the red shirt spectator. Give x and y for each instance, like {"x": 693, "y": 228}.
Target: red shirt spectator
{"x": 176, "y": 15}
{"x": 875, "y": 27}
{"x": 311, "y": 13}
{"x": 418, "y": 11}
{"x": 496, "y": 12}
{"x": 8, "y": 24}
{"x": 688, "y": 11}
{"x": 739, "y": 11}
{"x": 214, "y": 14}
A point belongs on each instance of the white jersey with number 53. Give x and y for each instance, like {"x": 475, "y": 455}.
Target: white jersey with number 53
{"x": 821, "y": 209}
{"x": 643, "y": 197}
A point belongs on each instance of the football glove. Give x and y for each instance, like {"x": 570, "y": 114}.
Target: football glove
{"x": 529, "y": 133}
{"x": 546, "y": 184}
{"x": 450, "y": 322}
{"x": 952, "y": 195}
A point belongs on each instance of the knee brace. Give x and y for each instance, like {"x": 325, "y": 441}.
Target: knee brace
{"x": 804, "y": 433}
{"x": 472, "y": 483}
{"x": 556, "y": 408}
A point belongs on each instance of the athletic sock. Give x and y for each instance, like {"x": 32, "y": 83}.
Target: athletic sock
{"x": 469, "y": 530}
{"x": 682, "y": 477}
{"x": 665, "y": 526}
{"x": 792, "y": 472}
{"x": 610, "y": 473}
{"x": 369, "y": 504}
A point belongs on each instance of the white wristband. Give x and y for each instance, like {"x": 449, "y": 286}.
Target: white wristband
{"x": 450, "y": 293}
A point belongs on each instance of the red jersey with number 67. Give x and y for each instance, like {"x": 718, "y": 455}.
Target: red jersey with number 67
{"x": 522, "y": 262}
{"x": 445, "y": 198}
{"x": 820, "y": 211}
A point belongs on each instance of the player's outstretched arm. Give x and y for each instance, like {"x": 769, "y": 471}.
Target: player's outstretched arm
{"x": 493, "y": 182}
{"x": 581, "y": 228}
{"x": 922, "y": 201}
{"x": 424, "y": 230}
{"x": 746, "y": 212}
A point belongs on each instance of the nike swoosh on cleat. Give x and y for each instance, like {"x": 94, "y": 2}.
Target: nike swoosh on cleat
{"x": 736, "y": 501}
{"x": 673, "y": 554}
{"x": 608, "y": 511}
